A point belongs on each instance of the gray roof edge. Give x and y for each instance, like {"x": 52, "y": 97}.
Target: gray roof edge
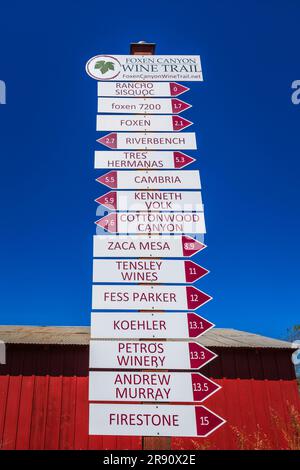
{"x": 80, "y": 336}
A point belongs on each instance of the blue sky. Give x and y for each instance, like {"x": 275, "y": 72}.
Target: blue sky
{"x": 248, "y": 139}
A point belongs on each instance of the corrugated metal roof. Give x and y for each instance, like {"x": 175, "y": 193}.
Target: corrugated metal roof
{"x": 80, "y": 335}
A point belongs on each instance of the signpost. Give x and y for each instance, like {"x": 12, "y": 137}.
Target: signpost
{"x": 141, "y": 160}
{"x": 153, "y": 222}
{"x": 152, "y": 201}
{"x": 153, "y": 271}
{"x": 152, "y": 420}
{"x": 142, "y": 123}
{"x": 146, "y": 246}
{"x": 148, "y": 355}
{"x": 142, "y": 105}
{"x": 155, "y": 179}
{"x": 145, "y": 297}
{"x": 160, "y": 68}
{"x": 153, "y": 325}
{"x": 136, "y": 160}
{"x": 140, "y": 89}
{"x": 143, "y": 317}
{"x": 149, "y": 141}
{"x": 150, "y": 386}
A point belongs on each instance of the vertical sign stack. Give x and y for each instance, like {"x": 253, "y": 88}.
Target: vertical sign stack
{"x": 142, "y": 280}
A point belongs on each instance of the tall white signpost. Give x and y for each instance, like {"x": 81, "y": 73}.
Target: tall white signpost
{"x": 142, "y": 293}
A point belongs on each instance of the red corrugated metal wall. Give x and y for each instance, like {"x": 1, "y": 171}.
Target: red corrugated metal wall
{"x": 44, "y": 400}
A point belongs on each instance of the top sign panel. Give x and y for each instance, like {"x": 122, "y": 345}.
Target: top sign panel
{"x": 157, "y": 68}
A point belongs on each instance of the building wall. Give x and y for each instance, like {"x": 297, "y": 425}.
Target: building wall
{"x": 44, "y": 401}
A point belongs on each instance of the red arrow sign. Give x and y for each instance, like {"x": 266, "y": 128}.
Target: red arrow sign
{"x": 110, "y": 179}
{"x": 180, "y": 123}
{"x": 203, "y": 387}
{"x": 207, "y": 421}
{"x": 109, "y": 140}
{"x": 193, "y": 271}
{"x": 197, "y": 325}
{"x": 178, "y": 106}
{"x": 196, "y": 298}
{"x": 199, "y": 355}
{"x": 191, "y": 246}
{"x": 181, "y": 160}
{"x": 176, "y": 89}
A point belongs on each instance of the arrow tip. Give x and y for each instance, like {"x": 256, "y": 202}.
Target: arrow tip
{"x": 109, "y": 179}
{"x": 177, "y": 89}
{"x": 190, "y": 246}
{"x": 181, "y": 160}
{"x": 108, "y": 222}
{"x": 207, "y": 421}
{"x": 197, "y": 325}
{"x": 109, "y": 140}
{"x": 194, "y": 271}
{"x": 196, "y": 298}
{"x": 108, "y": 200}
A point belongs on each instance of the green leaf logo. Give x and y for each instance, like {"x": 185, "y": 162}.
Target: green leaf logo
{"x": 104, "y": 66}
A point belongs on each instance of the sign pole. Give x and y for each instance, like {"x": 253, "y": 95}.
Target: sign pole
{"x": 150, "y": 443}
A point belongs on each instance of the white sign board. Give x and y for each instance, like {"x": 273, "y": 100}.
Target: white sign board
{"x": 152, "y": 271}
{"x": 148, "y": 355}
{"x": 126, "y": 325}
{"x": 150, "y": 140}
{"x": 153, "y": 222}
{"x": 142, "y": 105}
{"x": 140, "y": 89}
{"x": 154, "y": 179}
{"x": 136, "y": 160}
{"x": 145, "y": 246}
{"x": 179, "y": 201}
{"x": 152, "y": 420}
{"x": 144, "y": 297}
{"x": 160, "y": 68}
{"x": 142, "y": 123}
{"x": 150, "y": 386}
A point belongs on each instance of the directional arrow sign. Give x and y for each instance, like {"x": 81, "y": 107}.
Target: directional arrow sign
{"x": 154, "y": 271}
{"x": 152, "y": 201}
{"x": 173, "y": 179}
{"x": 144, "y": 297}
{"x": 150, "y": 386}
{"x": 150, "y": 141}
{"x": 142, "y": 105}
{"x": 140, "y": 89}
{"x": 136, "y": 160}
{"x": 146, "y": 246}
{"x": 152, "y": 420}
{"x": 153, "y": 222}
{"x": 148, "y": 355}
{"x": 126, "y": 325}
{"x": 142, "y": 123}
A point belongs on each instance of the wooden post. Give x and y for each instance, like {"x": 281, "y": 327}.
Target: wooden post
{"x": 150, "y": 443}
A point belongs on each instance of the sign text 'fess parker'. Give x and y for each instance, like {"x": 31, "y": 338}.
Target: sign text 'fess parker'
{"x": 149, "y": 140}
{"x": 140, "y": 89}
{"x": 153, "y": 222}
{"x": 176, "y": 355}
{"x": 136, "y": 122}
{"x": 150, "y": 386}
{"x": 154, "y": 271}
{"x": 145, "y": 297}
{"x": 142, "y": 106}
{"x": 152, "y": 420}
{"x": 152, "y": 325}
{"x": 136, "y": 160}
{"x": 159, "y": 68}
{"x": 152, "y": 201}
{"x": 155, "y": 179}
{"x": 146, "y": 246}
